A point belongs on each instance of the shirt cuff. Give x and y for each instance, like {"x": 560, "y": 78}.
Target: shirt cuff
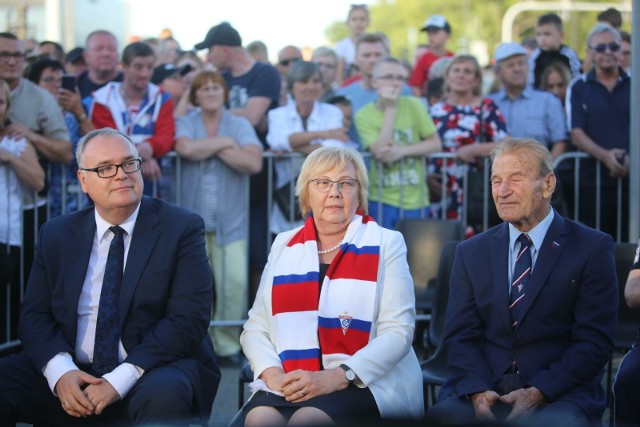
{"x": 59, "y": 365}
{"x": 123, "y": 377}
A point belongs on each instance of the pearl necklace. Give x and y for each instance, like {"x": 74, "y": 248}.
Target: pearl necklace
{"x": 326, "y": 251}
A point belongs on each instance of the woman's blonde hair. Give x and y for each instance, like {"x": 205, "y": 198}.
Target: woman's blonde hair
{"x": 325, "y": 159}
{"x": 477, "y": 71}
{"x": 6, "y": 92}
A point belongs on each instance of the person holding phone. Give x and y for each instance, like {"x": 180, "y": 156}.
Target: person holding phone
{"x": 49, "y": 74}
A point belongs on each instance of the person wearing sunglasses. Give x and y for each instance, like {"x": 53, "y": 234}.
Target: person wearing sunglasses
{"x": 598, "y": 108}
{"x": 329, "y": 335}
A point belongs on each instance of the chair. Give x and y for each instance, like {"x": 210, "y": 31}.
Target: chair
{"x": 435, "y": 370}
{"x": 245, "y": 377}
{"x": 425, "y": 239}
{"x": 628, "y": 318}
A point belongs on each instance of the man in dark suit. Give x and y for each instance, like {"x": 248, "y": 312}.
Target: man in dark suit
{"x": 530, "y": 319}
{"x": 102, "y": 345}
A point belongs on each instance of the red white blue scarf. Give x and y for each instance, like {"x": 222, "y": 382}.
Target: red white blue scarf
{"x": 311, "y": 330}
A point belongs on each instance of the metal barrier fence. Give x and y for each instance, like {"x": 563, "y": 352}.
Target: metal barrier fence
{"x": 169, "y": 188}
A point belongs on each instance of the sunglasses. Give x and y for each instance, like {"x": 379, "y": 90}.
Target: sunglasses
{"x": 602, "y": 48}
{"x": 287, "y": 62}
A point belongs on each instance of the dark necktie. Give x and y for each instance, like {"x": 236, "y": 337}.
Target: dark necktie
{"x": 521, "y": 274}
{"x": 105, "y": 350}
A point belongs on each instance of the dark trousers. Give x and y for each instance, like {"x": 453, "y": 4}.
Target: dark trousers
{"x": 459, "y": 410}
{"x": 626, "y": 390}
{"x": 9, "y": 292}
{"x": 162, "y": 396}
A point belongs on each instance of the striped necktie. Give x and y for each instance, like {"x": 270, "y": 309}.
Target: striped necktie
{"x": 520, "y": 278}
{"x": 105, "y": 349}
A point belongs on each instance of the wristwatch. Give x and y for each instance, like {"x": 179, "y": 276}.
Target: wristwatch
{"x": 349, "y": 374}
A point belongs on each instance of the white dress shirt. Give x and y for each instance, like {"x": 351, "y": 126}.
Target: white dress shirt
{"x": 125, "y": 375}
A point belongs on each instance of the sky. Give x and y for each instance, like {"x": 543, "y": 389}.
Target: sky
{"x": 277, "y": 22}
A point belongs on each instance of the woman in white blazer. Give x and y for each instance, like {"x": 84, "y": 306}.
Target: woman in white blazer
{"x": 329, "y": 335}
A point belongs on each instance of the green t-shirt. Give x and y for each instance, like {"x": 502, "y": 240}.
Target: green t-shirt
{"x": 412, "y": 125}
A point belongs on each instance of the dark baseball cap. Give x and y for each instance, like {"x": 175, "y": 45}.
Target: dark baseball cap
{"x": 163, "y": 71}
{"x": 223, "y": 35}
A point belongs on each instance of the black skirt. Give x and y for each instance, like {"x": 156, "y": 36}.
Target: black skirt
{"x": 351, "y": 404}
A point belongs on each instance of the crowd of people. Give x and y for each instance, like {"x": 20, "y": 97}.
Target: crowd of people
{"x": 195, "y": 129}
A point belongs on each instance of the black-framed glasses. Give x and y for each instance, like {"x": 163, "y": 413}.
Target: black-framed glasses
{"x": 602, "y": 48}
{"x": 108, "y": 171}
{"x": 7, "y": 56}
{"x": 324, "y": 185}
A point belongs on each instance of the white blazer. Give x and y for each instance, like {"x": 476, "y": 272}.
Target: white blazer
{"x": 387, "y": 364}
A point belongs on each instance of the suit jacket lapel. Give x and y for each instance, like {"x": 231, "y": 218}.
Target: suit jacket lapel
{"x": 552, "y": 247}
{"x": 499, "y": 252}
{"x": 77, "y": 252}
{"x": 145, "y": 235}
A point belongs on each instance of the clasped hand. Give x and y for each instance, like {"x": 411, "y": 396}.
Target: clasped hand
{"x": 522, "y": 400}
{"x": 82, "y": 395}
{"x": 301, "y": 385}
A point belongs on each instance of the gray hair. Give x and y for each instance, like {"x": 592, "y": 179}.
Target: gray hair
{"x": 301, "y": 71}
{"x": 601, "y": 28}
{"x": 107, "y": 132}
{"x": 324, "y": 51}
{"x": 534, "y": 148}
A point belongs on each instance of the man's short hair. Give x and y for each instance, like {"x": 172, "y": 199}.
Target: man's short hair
{"x": 611, "y": 16}
{"x": 626, "y": 37}
{"x": 373, "y": 38}
{"x": 386, "y": 60}
{"x": 7, "y": 35}
{"x": 108, "y": 132}
{"x": 136, "y": 50}
{"x": 533, "y": 148}
{"x": 550, "y": 19}
{"x": 600, "y": 28}
{"x": 99, "y": 33}
{"x": 56, "y": 46}
{"x": 324, "y": 51}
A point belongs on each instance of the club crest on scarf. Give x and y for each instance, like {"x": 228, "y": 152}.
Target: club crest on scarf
{"x": 312, "y": 321}
{"x": 345, "y": 321}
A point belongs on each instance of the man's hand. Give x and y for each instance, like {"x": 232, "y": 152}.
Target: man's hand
{"x": 150, "y": 169}
{"x": 482, "y": 403}
{"x": 70, "y": 101}
{"x": 617, "y": 162}
{"x": 73, "y": 399}
{"x": 523, "y": 400}
{"x": 101, "y": 395}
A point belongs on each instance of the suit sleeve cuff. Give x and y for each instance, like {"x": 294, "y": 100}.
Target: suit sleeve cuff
{"x": 59, "y": 365}
{"x": 123, "y": 377}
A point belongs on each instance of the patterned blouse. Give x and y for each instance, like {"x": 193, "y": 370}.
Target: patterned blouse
{"x": 458, "y": 126}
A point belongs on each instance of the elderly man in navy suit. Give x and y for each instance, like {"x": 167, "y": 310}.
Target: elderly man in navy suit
{"x": 532, "y": 306}
{"x": 115, "y": 317}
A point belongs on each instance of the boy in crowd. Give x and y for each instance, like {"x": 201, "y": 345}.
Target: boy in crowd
{"x": 398, "y": 131}
{"x": 549, "y": 36}
{"x": 438, "y": 32}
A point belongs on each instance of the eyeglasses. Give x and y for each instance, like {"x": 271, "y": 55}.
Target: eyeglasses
{"x": 601, "y": 48}
{"x": 286, "y": 62}
{"x": 6, "y": 56}
{"x": 391, "y": 77}
{"x": 51, "y": 79}
{"x": 344, "y": 185}
{"x": 108, "y": 171}
{"x": 326, "y": 65}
